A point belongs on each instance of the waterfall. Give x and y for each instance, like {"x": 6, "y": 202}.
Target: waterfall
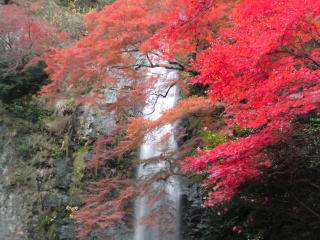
{"x": 167, "y": 223}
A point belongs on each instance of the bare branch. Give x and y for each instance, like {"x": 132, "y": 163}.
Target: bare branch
{"x": 137, "y": 66}
{"x": 5, "y": 41}
{"x": 158, "y": 96}
{"x": 306, "y": 207}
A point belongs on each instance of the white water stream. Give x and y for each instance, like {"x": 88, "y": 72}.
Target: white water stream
{"x": 164, "y": 213}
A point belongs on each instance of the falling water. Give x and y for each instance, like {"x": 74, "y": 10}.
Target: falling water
{"x": 167, "y": 223}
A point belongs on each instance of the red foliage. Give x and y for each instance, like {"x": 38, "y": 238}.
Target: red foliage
{"x": 107, "y": 204}
{"x": 259, "y": 58}
{"x": 192, "y": 27}
{"x": 266, "y": 70}
{"x": 137, "y": 128}
{"x": 24, "y": 37}
{"x": 109, "y": 51}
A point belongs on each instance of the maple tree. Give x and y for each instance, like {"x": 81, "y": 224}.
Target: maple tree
{"x": 265, "y": 68}
{"x": 102, "y": 207}
{"x": 259, "y": 59}
{"x": 23, "y": 37}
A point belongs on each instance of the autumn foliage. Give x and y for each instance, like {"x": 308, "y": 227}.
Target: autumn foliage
{"x": 24, "y": 38}
{"x": 107, "y": 204}
{"x": 266, "y": 70}
{"x": 260, "y": 60}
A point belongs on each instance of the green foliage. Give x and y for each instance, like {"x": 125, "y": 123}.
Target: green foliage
{"x": 31, "y": 111}
{"x": 243, "y": 132}
{"x": 46, "y": 222}
{"x": 35, "y": 112}
{"x": 79, "y": 167}
{"x": 211, "y": 140}
{"x": 22, "y": 172}
{"x": 313, "y": 125}
{"x": 14, "y": 85}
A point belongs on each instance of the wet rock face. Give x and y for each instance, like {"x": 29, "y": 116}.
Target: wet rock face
{"x": 63, "y": 175}
{"x": 11, "y": 211}
{"x": 35, "y": 178}
{"x": 42, "y": 169}
{"x": 91, "y": 121}
{"x": 38, "y": 173}
{"x": 12, "y": 204}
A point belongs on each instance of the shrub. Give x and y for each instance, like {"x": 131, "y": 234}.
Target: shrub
{"x": 14, "y": 85}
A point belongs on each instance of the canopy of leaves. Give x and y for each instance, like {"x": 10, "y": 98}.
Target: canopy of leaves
{"x": 259, "y": 60}
{"x": 265, "y": 68}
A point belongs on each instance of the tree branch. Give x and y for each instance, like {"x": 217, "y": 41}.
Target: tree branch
{"x": 178, "y": 67}
{"x": 298, "y": 56}
{"x": 305, "y": 206}
{"x": 137, "y": 66}
{"x": 158, "y": 96}
{"x": 5, "y": 41}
